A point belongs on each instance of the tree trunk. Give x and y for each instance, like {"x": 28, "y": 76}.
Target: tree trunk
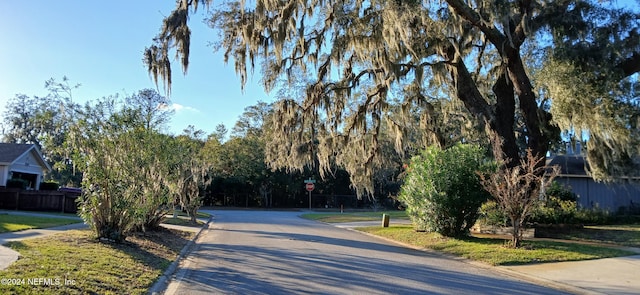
{"x": 503, "y": 122}
{"x": 499, "y": 119}
{"x": 193, "y": 213}
{"x": 537, "y": 121}
{"x": 516, "y": 236}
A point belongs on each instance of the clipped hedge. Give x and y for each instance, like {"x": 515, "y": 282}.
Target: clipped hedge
{"x": 49, "y": 186}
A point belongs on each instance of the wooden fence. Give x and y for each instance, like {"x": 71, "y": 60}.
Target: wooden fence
{"x": 14, "y": 199}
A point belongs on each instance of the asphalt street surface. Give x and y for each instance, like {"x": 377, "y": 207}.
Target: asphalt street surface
{"x": 272, "y": 252}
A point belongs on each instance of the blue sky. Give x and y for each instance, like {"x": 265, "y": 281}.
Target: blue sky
{"x": 99, "y": 44}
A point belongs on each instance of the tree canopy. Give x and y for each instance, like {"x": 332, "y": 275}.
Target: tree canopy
{"x": 45, "y": 122}
{"x": 524, "y": 70}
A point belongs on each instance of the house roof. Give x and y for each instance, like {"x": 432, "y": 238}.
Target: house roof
{"x": 570, "y": 164}
{"x": 10, "y": 152}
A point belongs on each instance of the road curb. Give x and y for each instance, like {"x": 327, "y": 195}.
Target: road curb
{"x": 163, "y": 281}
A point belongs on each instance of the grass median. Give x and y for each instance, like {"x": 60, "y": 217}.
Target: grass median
{"x": 624, "y": 235}
{"x": 494, "y": 250}
{"x": 74, "y": 262}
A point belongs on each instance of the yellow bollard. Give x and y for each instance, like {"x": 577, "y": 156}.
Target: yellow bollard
{"x": 385, "y": 220}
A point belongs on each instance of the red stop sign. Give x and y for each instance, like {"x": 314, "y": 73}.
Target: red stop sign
{"x": 309, "y": 186}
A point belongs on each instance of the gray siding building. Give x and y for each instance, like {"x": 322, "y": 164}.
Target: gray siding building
{"x": 621, "y": 194}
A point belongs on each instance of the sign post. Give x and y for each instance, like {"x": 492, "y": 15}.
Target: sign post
{"x": 309, "y": 185}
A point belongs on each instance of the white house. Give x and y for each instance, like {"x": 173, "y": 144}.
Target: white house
{"x": 22, "y": 161}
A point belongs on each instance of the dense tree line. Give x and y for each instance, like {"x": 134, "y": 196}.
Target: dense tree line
{"x": 231, "y": 166}
{"x": 242, "y": 175}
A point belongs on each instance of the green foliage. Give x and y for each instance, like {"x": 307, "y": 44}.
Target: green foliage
{"x": 17, "y": 183}
{"x": 442, "y": 191}
{"x": 128, "y": 164}
{"x": 560, "y": 206}
{"x": 594, "y": 216}
{"x": 155, "y": 197}
{"x": 491, "y": 214}
{"x": 560, "y": 192}
{"x": 189, "y": 173}
{"x": 44, "y": 121}
{"x": 592, "y": 86}
{"x": 49, "y": 186}
{"x": 555, "y": 211}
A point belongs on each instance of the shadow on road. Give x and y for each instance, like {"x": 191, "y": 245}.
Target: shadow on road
{"x": 289, "y": 262}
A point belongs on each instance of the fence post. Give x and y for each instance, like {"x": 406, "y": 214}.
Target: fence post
{"x": 64, "y": 198}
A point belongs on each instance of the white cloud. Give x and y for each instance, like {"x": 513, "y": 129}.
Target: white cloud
{"x": 178, "y": 108}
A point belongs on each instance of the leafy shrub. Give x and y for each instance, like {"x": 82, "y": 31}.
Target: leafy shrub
{"x": 17, "y": 183}
{"x": 561, "y": 192}
{"x": 49, "y": 186}
{"x": 555, "y": 211}
{"x": 593, "y": 216}
{"x": 442, "y": 191}
{"x": 491, "y": 214}
{"x": 559, "y": 206}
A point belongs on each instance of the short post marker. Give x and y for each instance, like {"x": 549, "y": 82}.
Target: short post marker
{"x": 385, "y": 220}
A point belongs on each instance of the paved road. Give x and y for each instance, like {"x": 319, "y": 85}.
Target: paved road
{"x": 262, "y": 252}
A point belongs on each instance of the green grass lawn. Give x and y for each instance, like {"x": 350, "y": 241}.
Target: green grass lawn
{"x": 494, "y": 250}
{"x": 354, "y": 216}
{"x": 625, "y": 235}
{"x": 11, "y": 223}
{"x": 74, "y": 262}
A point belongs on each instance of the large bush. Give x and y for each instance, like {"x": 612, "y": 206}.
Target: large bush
{"x": 124, "y": 165}
{"x": 442, "y": 191}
